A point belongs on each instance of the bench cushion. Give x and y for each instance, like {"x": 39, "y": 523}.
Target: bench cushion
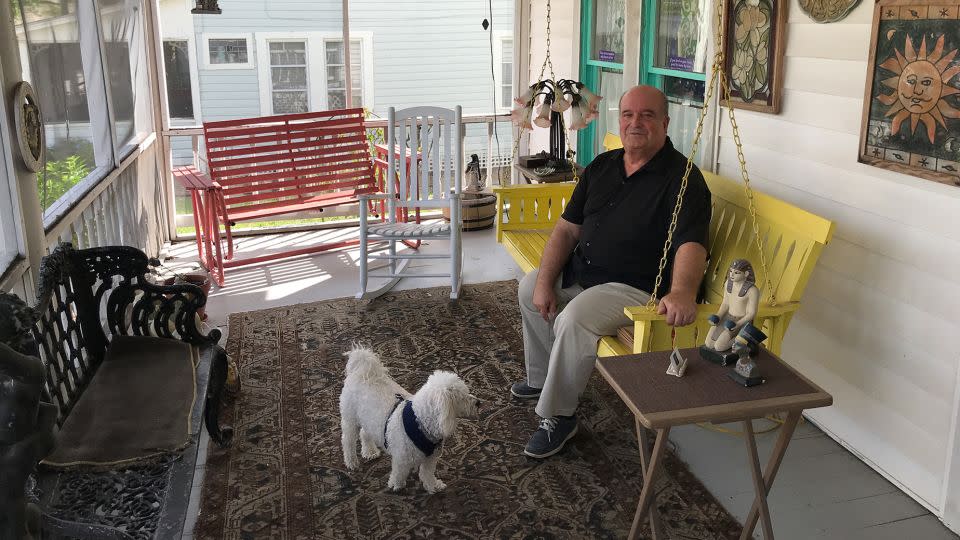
{"x": 137, "y": 406}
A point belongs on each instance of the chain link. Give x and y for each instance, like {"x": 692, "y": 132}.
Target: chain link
{"x": 751, "y": 203}
{"x": 716, "y": 75}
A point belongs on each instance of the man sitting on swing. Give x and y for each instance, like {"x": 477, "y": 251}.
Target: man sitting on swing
{"x": 603, "y": 255}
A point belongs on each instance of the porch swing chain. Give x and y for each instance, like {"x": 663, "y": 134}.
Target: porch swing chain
{"x": 543, "y": 69}
{"x": 717, "y": 74}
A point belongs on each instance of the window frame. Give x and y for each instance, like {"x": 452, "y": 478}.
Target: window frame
{"x": 251, "y": 52}
{"x": 649, "y": 73}
{"x": 498, "y": 40}
{"x": 316, "y": 66}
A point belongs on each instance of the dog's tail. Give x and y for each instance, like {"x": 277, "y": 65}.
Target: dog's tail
{"x": 364, "y": 364}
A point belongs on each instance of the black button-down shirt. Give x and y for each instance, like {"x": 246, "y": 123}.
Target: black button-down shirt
{"x": 624, "y": 220}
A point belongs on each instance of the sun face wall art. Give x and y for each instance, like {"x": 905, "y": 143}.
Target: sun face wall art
{"x": 911, "y": 109}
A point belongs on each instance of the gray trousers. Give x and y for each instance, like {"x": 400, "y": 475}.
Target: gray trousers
{"x": 560, "y": 356}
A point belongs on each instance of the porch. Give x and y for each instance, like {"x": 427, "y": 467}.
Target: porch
{"x": 823, "y": 491}
{"x": 891, "y": 266}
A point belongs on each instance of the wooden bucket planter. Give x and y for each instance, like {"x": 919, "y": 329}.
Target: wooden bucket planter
{"x": 477, "y": 210}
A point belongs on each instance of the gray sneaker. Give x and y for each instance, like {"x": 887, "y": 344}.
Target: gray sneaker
{"x": 551, "y": 436}
{"x": 523, "y": 391}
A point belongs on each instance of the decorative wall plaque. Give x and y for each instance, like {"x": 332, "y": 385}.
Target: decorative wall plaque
{"x": 30, "y": 135}
{"x": 754, "y": 42}
{"x": 911, "y": 108}
{"x": 828, "y": 11}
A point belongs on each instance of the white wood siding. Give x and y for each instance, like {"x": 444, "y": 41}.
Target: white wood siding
{"x": 879, "y": 319}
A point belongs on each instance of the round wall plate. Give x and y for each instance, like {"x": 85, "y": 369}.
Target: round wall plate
{"x": 828, "y": 11}
{"x": 29, "y": 120}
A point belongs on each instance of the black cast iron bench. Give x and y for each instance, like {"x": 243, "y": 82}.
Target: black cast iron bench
{"x": 130, "y": 377}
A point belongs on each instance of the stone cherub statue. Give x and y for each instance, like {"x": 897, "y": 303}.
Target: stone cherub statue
{"x": 26, "y": 422}
{"x": 747, "y": 346}
{"x": 738, "y": 308}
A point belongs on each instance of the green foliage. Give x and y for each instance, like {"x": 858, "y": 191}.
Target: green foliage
{"x": 68, "y": 162}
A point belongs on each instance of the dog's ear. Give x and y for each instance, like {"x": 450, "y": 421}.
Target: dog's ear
{"x": 447, "y": 411}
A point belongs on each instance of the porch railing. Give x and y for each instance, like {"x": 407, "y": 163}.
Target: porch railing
{"x": 125, "y": 207}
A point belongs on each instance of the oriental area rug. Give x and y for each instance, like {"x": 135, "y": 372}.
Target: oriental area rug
{"x": 284, "y": 477}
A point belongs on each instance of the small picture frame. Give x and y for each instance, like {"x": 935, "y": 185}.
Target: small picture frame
{"x": 754, "y": 44}
{"x": 911, "y": 105}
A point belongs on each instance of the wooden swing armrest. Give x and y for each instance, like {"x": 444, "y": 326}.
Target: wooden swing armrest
{"x": 642, "y": 313}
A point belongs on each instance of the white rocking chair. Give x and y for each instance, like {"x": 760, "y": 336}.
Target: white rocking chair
{"x": 428, "y": 176}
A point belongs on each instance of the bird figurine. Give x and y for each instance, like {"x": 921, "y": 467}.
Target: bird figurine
{"x": 474, "y": 174}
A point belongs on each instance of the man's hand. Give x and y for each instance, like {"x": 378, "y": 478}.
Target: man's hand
{"x": 545, "y": 299}
{"x": 680, "y": 308}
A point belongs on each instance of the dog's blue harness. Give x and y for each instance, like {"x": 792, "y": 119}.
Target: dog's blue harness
{"x": 412, "y": 427}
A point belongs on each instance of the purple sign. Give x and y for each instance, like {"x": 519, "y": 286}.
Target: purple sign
{"x": 606, "y": 56}
{"x": 680, "y": 63}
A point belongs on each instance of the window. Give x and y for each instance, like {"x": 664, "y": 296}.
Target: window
{"x": 336, "y": 74}
{"x": 607, "y": 31}
{"x": 505, "y": 82}
{"x": 674, "y": 60}
{"x": 305, "y": 71}
{"x": 64, "y": 98}
{"x": 126, "y": 61}
{"x": 58, "y": 70}
{"x": 176, "y": 64}
{"x": 601, "y": 70}
{"x": 288, "y": 77}
{"x": 227, "y": 51}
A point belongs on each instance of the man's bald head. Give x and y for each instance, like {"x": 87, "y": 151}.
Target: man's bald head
{"x": 649, "y": 91}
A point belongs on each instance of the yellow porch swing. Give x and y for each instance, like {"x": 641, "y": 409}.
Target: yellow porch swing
{"x": 786, "y": 240}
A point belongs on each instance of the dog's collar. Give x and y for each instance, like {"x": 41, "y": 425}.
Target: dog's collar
{"x": 419, "y": 438}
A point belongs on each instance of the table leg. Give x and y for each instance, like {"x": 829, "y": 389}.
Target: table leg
{"x": 770, "y": 472}
{"x": 643, "y": 439}
{"x": 649, "y": 477}
{"x": 758, "y": 484}
{"x": 197, "y": 217}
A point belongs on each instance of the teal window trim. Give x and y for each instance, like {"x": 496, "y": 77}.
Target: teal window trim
{"x": 679, "y": 74}
{"x": 602, "y": 64}
{"x": 589, "y": 75}
{"x": 649, "y": 73}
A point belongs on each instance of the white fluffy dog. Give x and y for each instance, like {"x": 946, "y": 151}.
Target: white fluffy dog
{"x": 411, "y": 428}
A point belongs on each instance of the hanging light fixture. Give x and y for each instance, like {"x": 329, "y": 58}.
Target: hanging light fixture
{"x": 554, "y": 99}
{"x": 206, "y": 7}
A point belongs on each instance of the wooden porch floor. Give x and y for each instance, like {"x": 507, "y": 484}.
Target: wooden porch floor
{"x": 823, "y": 491}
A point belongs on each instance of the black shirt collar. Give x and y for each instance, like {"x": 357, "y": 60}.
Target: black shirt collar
{"x": 657, "y": 163}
